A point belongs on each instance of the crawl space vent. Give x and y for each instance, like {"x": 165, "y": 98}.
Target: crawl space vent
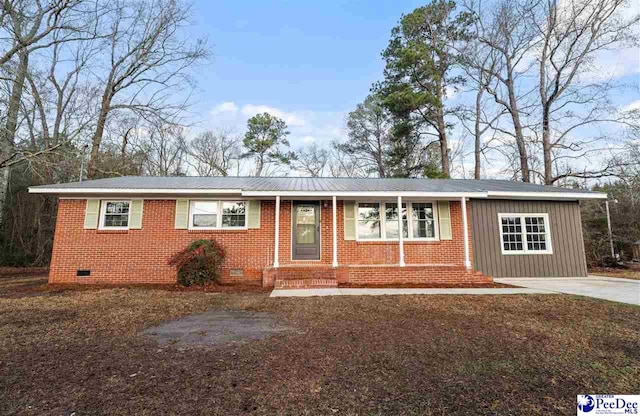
{"x": 83, "y": 273}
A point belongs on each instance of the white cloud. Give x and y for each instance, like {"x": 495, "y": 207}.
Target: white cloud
{"x": 613, "y": 64}
{"x": 250, "y": 110}
{"x": 634, "y": 105}
{"x": 308, "y": 139}
{"x": 225, "y": 107}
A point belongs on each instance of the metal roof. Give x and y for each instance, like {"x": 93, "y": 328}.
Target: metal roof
{"x": 201, "y": 184}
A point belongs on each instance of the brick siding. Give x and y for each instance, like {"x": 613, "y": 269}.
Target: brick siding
{"x": 141, "y": 256}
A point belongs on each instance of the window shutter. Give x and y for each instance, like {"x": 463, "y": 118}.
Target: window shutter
{"x": 253, "y": 220}
{"x": 135, "y": 218}
{"x": 92, "y": 214}
{"x": 182, "y": 214}
{"x": 349, "y": 220}
{"x": 444, "y": 220}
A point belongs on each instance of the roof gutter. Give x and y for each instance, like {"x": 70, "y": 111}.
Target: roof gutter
{"x": 364, "y": 194}
{"x": 129, "y": 191}
{"x": 546, "y": 195}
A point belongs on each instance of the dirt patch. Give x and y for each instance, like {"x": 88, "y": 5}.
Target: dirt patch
{"x": 217, "y": 328}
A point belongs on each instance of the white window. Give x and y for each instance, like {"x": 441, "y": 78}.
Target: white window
{"x": 114, "y": 215}
{"x": 391, "y": 220}
{"x": 525, "y": 234}
{"x": 211, "y": 215}
{"x": 233, "y": 214}
{"x": 379, "y": 221}
{"x": 422, "y": 220}
{"x": 369, "y": 221}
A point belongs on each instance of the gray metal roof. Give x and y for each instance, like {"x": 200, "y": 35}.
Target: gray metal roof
{"x": 306, "y": 184}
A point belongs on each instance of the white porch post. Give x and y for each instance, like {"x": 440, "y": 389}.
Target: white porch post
{"x": 277, "y": 235}
{"x": 335, "y": 233}
{"x": 400, "y": 237}
{"x": 613, "y": 252}
{"x": 465, "y": 233}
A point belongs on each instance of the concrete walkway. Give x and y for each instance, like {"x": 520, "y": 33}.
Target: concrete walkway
{"x": 607, "y": 288}
{"x": 390, "y": 291}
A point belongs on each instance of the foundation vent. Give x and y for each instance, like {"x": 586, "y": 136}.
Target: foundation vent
{"x": 236, "y": 273}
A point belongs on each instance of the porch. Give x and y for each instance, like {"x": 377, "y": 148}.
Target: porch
{"x": 319, "y": 243}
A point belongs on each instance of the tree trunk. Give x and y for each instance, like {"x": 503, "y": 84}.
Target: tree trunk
{"x": 517, "y": 126}
{"x": 7, "y": 139}
{"x": 442, "y": 131}
{"x": 478, "y": 134}
{"x": 546, "y": 146}
{"x": 92, "y": 168}
{"x": 259, "y": 166}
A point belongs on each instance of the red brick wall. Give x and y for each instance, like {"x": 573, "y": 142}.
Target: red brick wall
{"x": 415, "y": 252}
{"x": 140, "y": 256}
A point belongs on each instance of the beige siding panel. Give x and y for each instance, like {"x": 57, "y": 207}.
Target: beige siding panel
{"x": 565, "y": 224}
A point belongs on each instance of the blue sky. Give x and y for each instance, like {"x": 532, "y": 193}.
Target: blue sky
{"x": 310, "y": 63}
{"x": 313, "y": 61}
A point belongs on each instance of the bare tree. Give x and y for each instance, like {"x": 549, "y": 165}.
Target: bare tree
{"x": 508, "y": 34}
{"x": 27, "y": 26}
{"x": 163, "y": 148}
{"x": 147, "y": 64}
{"x": 572, "y": 34}
{"x": 215, "y": 153}
{"x": 342, "y": 164}
{"x": 312, "y": 161}
{"x": 482, "y": 117}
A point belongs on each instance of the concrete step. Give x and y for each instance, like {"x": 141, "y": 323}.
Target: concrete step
{"x": 305, "y": 273}
{"x": 305, "y": 283}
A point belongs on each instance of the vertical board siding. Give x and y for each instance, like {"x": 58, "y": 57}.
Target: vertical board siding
{"x": 567, "y": 260}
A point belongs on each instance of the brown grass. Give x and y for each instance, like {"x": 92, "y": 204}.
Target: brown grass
{"x": 632, "y": 272}
{"x": 79, "y": 351}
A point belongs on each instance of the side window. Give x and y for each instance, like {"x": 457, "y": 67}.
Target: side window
{"x": 114, "y": 215}
{"x": 525, "y": 234}
{"x": 511, "y": 234}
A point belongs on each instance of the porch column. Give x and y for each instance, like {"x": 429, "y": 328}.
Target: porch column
{"x": 335, "y": 233}
{"x": 400, "y": 237}
{"x": 277, "y": 234}
{"x": 613, "y": 252}
{"x": 465, "y": 233}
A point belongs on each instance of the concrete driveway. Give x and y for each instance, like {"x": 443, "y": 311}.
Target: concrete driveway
{"x": 608, "y": 288}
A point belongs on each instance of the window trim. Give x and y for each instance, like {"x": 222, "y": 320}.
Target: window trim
{"x": 103, "y": 212}
{"x": 383, "y": 232}
{"x": 525, "y": 250}
{"x": 219, "y": 203}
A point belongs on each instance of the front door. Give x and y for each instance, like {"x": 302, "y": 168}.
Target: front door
{"x": 306, "y": 230}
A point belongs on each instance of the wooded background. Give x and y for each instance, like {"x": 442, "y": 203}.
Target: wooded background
{"x": 95, "y": 88}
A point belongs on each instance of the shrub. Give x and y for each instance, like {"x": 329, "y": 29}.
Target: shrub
{"x": 199, "y": 263}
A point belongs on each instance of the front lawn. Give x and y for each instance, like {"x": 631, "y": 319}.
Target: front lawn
{"x": 81, "y": 351}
